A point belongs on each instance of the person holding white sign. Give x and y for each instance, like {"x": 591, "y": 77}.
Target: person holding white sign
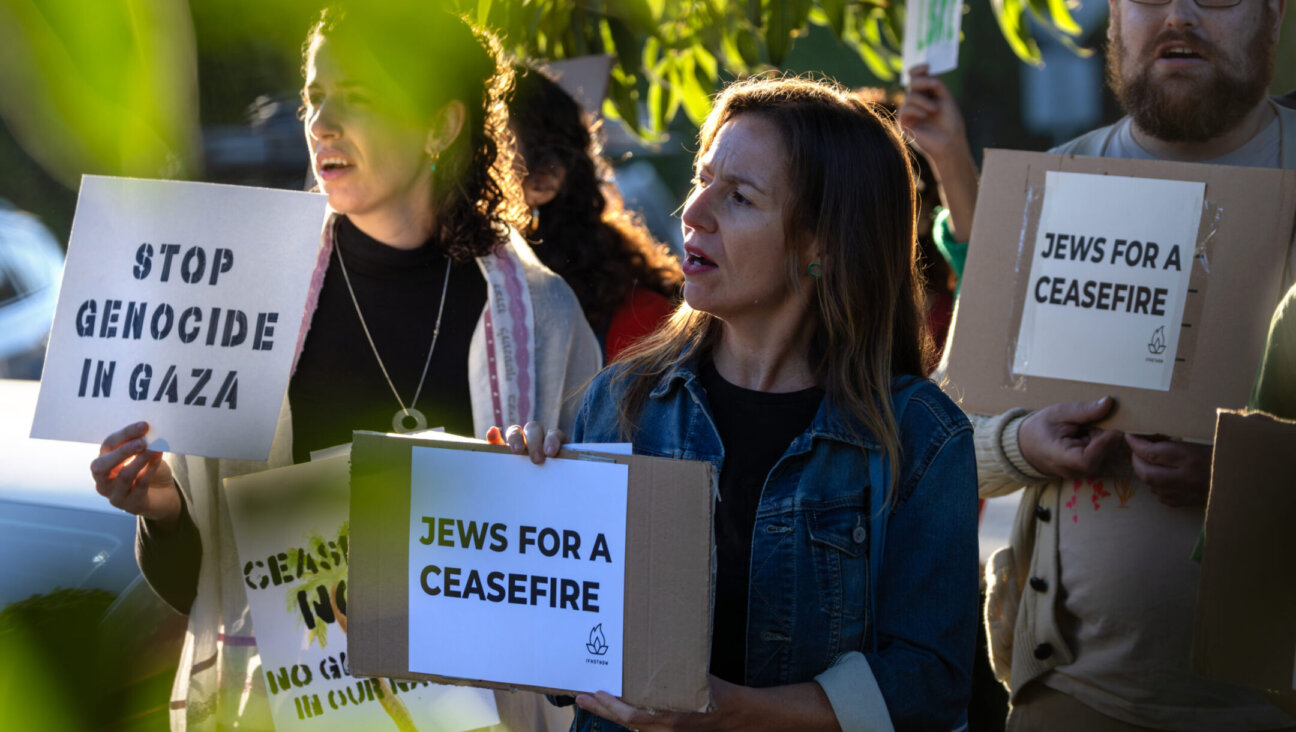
{"x": 429, "y": 310}
{"x": 1090, "y": 608}
{"x": 846, "y": 557}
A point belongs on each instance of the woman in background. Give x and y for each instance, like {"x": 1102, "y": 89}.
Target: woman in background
{"x": 626, "y": 281}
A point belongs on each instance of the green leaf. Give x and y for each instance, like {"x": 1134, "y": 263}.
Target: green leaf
{"x": 624, "y": 99}
{"x": 1011, "y": 17}
{"x": 706, "y": 63}
{"x": 483, "y": 11}
{"x": 778, "y": 32}
{"x": 734, "y": 60}
{"x": 1060, "y": 14}
{"x": 656, "y": 106}
{"x": 629, "y": 46}
{"x": 696, "y": 97}
{"x": 749, "y": 47}
{"x": 834, "y": 11}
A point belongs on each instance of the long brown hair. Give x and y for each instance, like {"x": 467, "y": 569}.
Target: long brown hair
{"x": 428, "y": 57}
{"x": 585, "y": 233}
{"x": 853, "y": 193}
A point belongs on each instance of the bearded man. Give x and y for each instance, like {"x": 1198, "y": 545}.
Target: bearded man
{"x": 1090, "y": 610}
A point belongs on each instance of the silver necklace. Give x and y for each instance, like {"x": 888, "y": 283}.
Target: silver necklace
{"x": 398, "y": 419}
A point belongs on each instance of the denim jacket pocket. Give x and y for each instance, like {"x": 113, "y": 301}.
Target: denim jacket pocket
{"x": 838, "y": 533}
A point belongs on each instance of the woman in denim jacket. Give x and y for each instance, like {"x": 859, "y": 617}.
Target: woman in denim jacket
{"x": 796, "y": 363}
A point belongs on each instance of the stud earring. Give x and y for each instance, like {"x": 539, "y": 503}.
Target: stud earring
{"x": 814, "y": 270}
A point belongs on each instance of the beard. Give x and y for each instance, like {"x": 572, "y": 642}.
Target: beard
{"x": 1194, "y": 109}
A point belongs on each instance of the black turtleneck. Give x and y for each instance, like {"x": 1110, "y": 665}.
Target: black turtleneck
{"x": 339, "y": 387}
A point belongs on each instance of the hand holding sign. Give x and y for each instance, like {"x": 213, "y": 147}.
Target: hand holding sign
{"x": 1061, "y": 440}
{"x": 135, "y": 479}
{"x": 529, "y": 439}
{"x": 1177, "y": 472}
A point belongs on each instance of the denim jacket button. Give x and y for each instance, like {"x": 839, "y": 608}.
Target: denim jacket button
{"x": 859, "y": 534}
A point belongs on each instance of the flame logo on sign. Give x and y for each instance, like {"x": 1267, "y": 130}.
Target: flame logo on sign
{"x": 1157, "y": 345}
{"x": 597, "y": 641}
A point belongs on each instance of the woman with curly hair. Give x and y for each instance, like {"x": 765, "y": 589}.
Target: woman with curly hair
{"x": 428, "y": 310}
{"x": 625, "y": 280}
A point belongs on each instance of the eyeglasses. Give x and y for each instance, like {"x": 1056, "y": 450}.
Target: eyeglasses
{"x": 1200, "y": 3}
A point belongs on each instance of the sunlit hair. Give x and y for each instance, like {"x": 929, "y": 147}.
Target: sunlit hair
{"x": 585, "y": 234}
{"x": 420, "y": 58}
{"x": 852, "y": 192}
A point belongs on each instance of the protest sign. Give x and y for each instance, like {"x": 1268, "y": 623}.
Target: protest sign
{"x": 513, "y": 567}
{"x": 996, "y": 356}
{"x": 1111, "y": 264}
{"x": 474, "y": 566}
{"x": 181, "y": 305}
{"x": 292, "y": 530}
{"x": 1245, "y": 629}
{"x": 931, "y": 36}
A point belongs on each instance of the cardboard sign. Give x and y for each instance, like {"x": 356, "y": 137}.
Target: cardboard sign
{"x": 517, "y": 572}
{"x": 931, "y": 35}
{"x": 181, "y": 305}
{"x": 1245, "y": 630}
{"x": 1105, "y": 296}
{"x": 291, "y": 527}
{"x": 1244, "y": 234}
{"x": 525, "y": 572}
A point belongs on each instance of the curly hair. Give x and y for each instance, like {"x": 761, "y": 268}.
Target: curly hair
{"x": 585, "y": 233}
{"x": 427, "y": 58}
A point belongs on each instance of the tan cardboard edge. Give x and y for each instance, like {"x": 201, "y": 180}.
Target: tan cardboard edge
{"x": 1245, "y": 628}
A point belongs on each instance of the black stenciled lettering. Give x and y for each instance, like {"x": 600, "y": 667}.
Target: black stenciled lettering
{"x": 211, "y": 329}
{"x": 264, "y": 331}
{"x": 143, "y": 261}
{"x": 228, "y": 393}
{"x": 85, "y": 319}
{"x": 160, "y": 326}
{"x": 168, "y": 252}
{"x": 111, "y": 313}
{"x": 234, "y": 319}
{"x": 193, "y": 265}
{"x": 222, "y": 262}
{"x": 201, "y": 376}
{"x": 139, "y": 382}
{"x": 133, "y": 326}
{"x": 169, "y": 387}
{"x": 188, "y": 335}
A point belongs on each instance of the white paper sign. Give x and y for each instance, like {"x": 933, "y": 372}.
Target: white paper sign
{"x": 1105, "y": 298}
{"x": 517, "y": 571}
{"x": 181, "y": 304}
{"x": 290, "y": 526}
{"x": 931, "y": 35}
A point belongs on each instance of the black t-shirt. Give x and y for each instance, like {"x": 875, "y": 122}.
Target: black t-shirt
{"x": 756, "y": 428}
{"x": 339, "y": 387}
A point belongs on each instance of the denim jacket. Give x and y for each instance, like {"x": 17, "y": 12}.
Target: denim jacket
{"x": 808, "y": 600}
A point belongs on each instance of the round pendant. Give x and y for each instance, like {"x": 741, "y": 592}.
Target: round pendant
{"x": 401, "y": 421}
